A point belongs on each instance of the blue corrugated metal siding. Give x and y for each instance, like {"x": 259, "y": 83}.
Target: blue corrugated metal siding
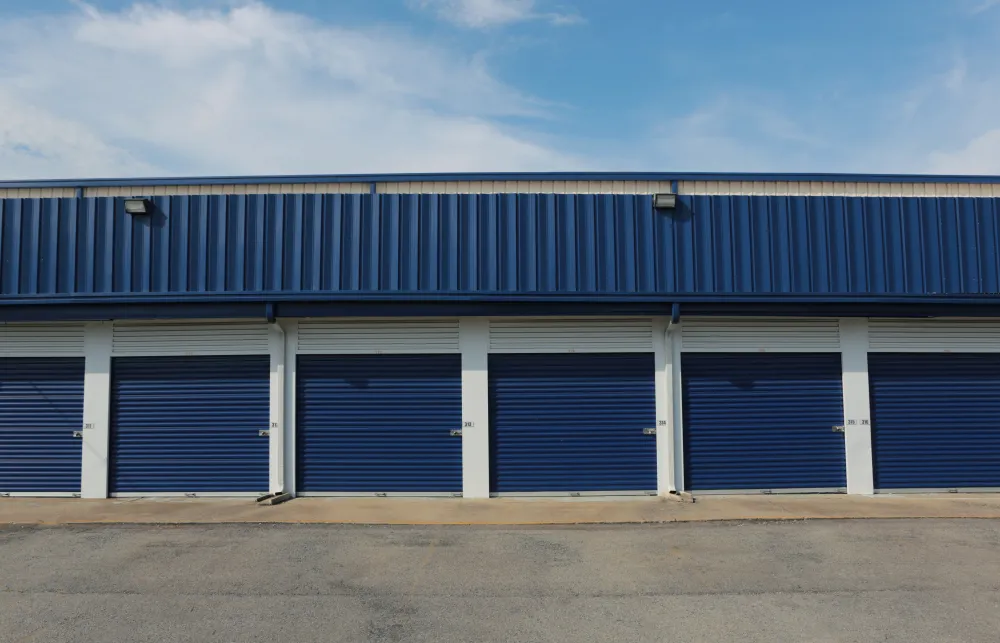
{"x": 41, "y": 405}
{"x": 762, "y": 421}
{"x": 190, "y": 424}
{"x": 572, "y": 422}
{"x": 936, "y": 420}
{"x": 500, "y": 245}
{"x": 379, "y": 423}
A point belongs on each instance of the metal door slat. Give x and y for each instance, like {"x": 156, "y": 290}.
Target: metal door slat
{"x": 572, "y": 422}
{"x": 762, "y": 421}
{"x": 190, "y": 424}
{"x": 935, "y": 420}
{"x": 379, "y": 424}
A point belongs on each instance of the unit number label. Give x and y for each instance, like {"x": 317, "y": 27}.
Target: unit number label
{"x": 858, "y": 422}
{"x": 468, "y": 425}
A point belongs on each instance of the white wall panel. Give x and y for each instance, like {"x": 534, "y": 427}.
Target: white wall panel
{"x": 524, "y": 187}
{"x": 37, "y": 193}
{"x": 934, "y": 335}
{"x": 839, "y": 188}
{"x": 41, "y": 340}
{"x": 759, "y": 334}
{"x": 190, "y": 338}
{"x": 571, "y": 335}
{"x": 742, "y": 188}
{"x": 375, "y": 336}
{"x": 209, "y": 190}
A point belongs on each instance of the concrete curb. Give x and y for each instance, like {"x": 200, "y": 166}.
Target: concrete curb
{"x": 494, "y": 513}
{"x": 333, "y": 523}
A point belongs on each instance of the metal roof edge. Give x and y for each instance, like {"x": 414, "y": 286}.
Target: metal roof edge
{"x": 499, "y": 176}
{"x": 666, "y": 299}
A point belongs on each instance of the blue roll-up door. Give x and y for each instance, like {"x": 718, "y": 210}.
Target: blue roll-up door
{"x": 763, "y": 421}
{"x": 41, "y": 405}
{"x": 572, "y": 422}
{"x": 935, "y": 420}
{"x": 379, "y": 424}
{"x": 190, "y": 424}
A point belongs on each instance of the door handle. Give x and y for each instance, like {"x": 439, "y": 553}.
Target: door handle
{"x": 840, "y": 428}
{"x": 77, "y": 434}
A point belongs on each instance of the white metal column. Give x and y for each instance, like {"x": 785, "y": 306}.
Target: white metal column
{"x": 96, "y": 410}
{"x": 675, "y": 347}
{"x": 474, "y": 341}
{"x": 663, "y": 353}
{"x": 276, "y": 467}
{"x": 291, "y": 328}
{"x": 857, "y": 406}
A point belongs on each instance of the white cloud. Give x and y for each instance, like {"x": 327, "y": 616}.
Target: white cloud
{"x": 949, "y": 124}
{"x": 981, "y": 155}
{"x": 478, "y": 14}
{"x": 35, "y": 143}
{"x": 155, "y": 90}
{"x": 735, "y": 133}
{"x": 945, "y": 123}
{"x": 984, "y": 5}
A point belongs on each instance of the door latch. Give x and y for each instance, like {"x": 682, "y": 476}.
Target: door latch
{"x": 77, "y": 434}
{"x": 649, "y": 431}
{"x": 455, "y": 433}
{"x": 264, "y": 433}
{"x": 840, "y": 428}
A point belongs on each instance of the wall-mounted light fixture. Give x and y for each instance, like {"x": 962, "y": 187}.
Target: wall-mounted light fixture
{"x": 665, "y": 201}
{"x": 138, "y": 205}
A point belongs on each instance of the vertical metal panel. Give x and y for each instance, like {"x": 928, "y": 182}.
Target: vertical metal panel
{"x": 572, "y": 423}
{"x": 936, "y": 420}
{"x": 41, "y": 405}
{"x": 501, "y": 244}
{"x": 190, "y": 424}
{"x": 761, "y": 422}
{"x": 379, "y": 423}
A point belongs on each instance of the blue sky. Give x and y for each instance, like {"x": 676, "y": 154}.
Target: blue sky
{"x": 117, "y": 88}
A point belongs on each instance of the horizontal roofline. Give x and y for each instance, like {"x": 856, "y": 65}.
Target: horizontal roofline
{"x": 501, "y": 176}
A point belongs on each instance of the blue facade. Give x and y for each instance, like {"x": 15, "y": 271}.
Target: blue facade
{"x": 500, "y": 247}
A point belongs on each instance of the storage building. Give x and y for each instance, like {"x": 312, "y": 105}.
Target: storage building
{"x": 505, "y": 334}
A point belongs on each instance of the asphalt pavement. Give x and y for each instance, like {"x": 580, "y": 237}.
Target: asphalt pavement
{"x": 914, "y": 581}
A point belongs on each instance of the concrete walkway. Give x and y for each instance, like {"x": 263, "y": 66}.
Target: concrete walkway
{"x": 506, "y": 511}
